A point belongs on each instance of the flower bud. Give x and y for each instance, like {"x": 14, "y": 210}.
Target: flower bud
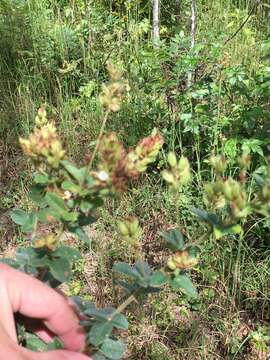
{"x": 49, "y": 241}
{"x": 244, "y": 161}
{"x": 130, "y": 230}
{"x": 122, "y": 228}
{"x": 172, "y": 159}
{"x": 218, "y": 163}
{"x": 168, "y": 177}
{"x": 183, "y": 260}
{"x": 171, "y": 264}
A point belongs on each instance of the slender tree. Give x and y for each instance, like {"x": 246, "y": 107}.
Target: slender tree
{"x": 178, "y": 10}
{"x": 156, "y": 11}
{"x": 192, "y": 36}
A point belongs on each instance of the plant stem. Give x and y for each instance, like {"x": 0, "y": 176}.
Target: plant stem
{"x": 99, "y": 138}
{"x": 126, "y": 303}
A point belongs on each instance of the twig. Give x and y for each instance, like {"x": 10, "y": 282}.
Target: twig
{"x": 243, "y": 23}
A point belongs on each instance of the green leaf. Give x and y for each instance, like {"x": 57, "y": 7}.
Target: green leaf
{"x": 60, "y": 269}
{"x": 143, "y": 268}
{"x": 174, "y": 238}
{"x": 25, "y": 256}
{"x": 158, "y": 279}
{"x": 227, "y": 230}
{"x": 100, "y": 314}
{"x": 126, "y": 269}
{"x": 68, "y": 253}
{"x": 29, "y": 225}
{"x": 184, "y": 283}
{"x": 98, "y": 356}
{"x": 129, "y": 288}
{"x": 119, "y": 321}
{"x": 37, "y": 194}
{"x": 76, "y": 230}
{"x": 34, "y": 343}
{"x": 41, "y": 178}
{"x": 83, "y": 305}
{"x": 78, "y": 174}
{"x": 107, "y": 315}
{"x": 84, "y": 220}
{"x": 56, "y": 344}
{"x": 19, "y": 216}
{"x": 85, "y": 206}
{"x": 219, "y": 229}
{"x": 230, "y": 148}
{"x": 210, "y": 218}
{"x": 113, "y": 349}
{"x": 70, "y": 186}
{"x": 10, "y": 262}
{"x": 260, "y": 181}
{"x": 55, "y": 202}
{"x": 70, "y": 216}
{"x": 48, "y": 214}
{"x": 99, "y": 331}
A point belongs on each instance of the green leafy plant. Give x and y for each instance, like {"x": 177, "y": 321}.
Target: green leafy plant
{"x": 66, "y": 199}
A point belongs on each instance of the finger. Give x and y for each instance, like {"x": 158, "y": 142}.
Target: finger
{"x": 12, "y": 351}
{"x": 7, "y": 323}
{"x": 32, "y": 298}
{"x": 55, "y": 355}
{"x": 37, "y": 326}
{"x": 8, "y": 348}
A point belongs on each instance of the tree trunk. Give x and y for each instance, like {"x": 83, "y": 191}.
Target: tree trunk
{"x": 178, "y": 10}
{"x": 192, "y": 36}
{"x": 156, "y": 37}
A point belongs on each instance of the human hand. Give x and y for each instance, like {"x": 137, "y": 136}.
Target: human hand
{"x": 21, "y": 293}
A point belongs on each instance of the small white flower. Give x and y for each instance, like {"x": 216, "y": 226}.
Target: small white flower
{"x": 103, "y": 175}
{"x": 67, "y": 195}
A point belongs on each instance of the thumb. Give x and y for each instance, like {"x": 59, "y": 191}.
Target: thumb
{"x": 56, "y": 355}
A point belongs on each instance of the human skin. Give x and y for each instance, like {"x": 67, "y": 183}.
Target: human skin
{"x": 47, "y": 311}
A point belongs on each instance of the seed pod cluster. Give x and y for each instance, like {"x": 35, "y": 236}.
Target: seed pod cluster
{"x": 112, "y": 93}
{"x": 130, "y": 230}
{"x": 182, "y": 260}
{"x": 44, "y": 144}
{"x": 179, "y": 173}
{"x": 49, "y": 241}
{"x": 117, "y": 166}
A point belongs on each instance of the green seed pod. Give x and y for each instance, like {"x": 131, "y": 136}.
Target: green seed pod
{"x": 171, "y": 264}
{"x": 168, "y": 177}
{"x": 122, "y": 228}
{"x": 244, "y": 161}
{"x": 183, "y": 164}
{"x": 218, "y": 163}
{"x": 228, "y": 187}
{"x": 218, "y": 186}
{"x": 172, "y": 159}
{"x": 134, "y": 226}
{"x": 208, "y": 190}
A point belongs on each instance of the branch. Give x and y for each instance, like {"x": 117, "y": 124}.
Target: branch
{"x": 243, "y": 23}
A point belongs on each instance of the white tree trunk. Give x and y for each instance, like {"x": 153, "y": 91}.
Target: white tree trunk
{"x": 156, "y": 37}
{"x": 192, "y": 35}
{"x": 178, "y": 10}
